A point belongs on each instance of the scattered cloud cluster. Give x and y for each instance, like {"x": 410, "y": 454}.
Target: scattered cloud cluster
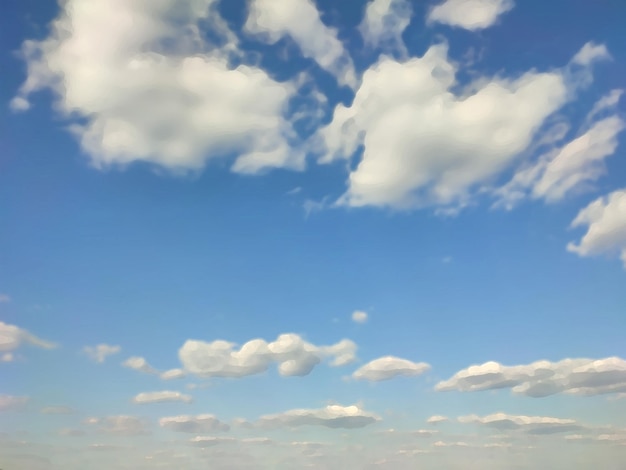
{"x": 472, "y": 15}
{"x": 389, "y": 367}
{"x": 543, "y": 378}
{"x": 605, "y": 219}
{"x": 12, "y": 337}
{"x": 332, "y": 416}
{"x": 100, "y": 352}
{"x": 205, "y": 423}
{"x": 295, "y": 357}
{"x": 163, "y": 396}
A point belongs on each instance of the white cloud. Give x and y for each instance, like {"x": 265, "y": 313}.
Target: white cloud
{"x": 153, "y": 89}
{"x": 590, "y": 53}
{"x": 295, "y": 357}
{"x": 450, "y": 444}
{"x": 7, "y": 357}
{"x": 210, "y": 441}
{"x": 193, "y": 424}
{"x": 359, "y": 316}
{"x": 120, "y": 425}
{"x": 172, "y": 374}
{"x": 388, "y": 367}
{"x": 436, "y": 419}
{"x": 543, "y": 378}
{"x": 11, "y": 402}
{"x": 384, "y": 22}
{"x": 424, "y": 145}
{"x": 56, "y": 410}
{"x": 529, "y": 424}
{"x": 100, "y": 352}
{"x": 570, "y": 168}
{"x": 469, "y": 14}
{"x": 12, "y": 337}
{"x": 332, "y": 416}
{"x": 299, "y": 19}
{"x": 5, "y": 299}
{"x": 139, "y": 364}
{"x": 163, "y": 396}
{"x": 605, "y": 219}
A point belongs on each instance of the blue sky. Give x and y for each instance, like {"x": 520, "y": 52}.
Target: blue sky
{"x": 326, "y": 221}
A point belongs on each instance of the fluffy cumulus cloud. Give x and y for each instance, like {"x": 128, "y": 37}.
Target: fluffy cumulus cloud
{"x": 572, "y": 167}
{"x": 469, "y": 14}
{"x": 294, "y": 356}
{"x": 300, "y": 20}
{"x": 425, "y": 145}
{"x": 605, "y": 219}
{"x": 529, "y": 424}
{"x": 543, "y": 378}
{"x": 359, "y": 316}
{"x": 211, "y": 441}
{"x": 139, "y": 364}
{"x": 156, "y": 90}
{"x": 12, "y": 337}
{"x": 100, "y": 352}
{"x": 332, "y": 416}
{"x": 384, "y": 22}
{"x": 388, "y": 367}
{"x": 163, "y": 396}
{"x": 11, "y": 402}
{"x": 193, "y": 424}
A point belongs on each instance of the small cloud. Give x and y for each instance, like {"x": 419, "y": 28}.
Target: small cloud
{"x": 139, "y": 364}
{"x": 388, "y": 367}
{"x": 4, "y": 299}
{"x": 359, "y": 316}
{"x": 10, "y": 402}
{"x": 436, "y": 419}
{"x": 472, "y": 15}
{"x": 446, "y": 259}
{"x": 294, "y": 191}
{"x": 100, "y": 352}
{"x": 160, "y": 397}
{"x": 205, "y": 423}
{"x": 172, "y": 374}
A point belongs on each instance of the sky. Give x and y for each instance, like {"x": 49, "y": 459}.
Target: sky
{"x": 253, "y": 234}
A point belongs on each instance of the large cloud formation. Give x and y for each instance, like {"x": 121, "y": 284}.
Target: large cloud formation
{"x": 425, "y": 145}
{"x": 147, "y": 86}
{"x": 543, "y": 378}
{"x": 295, "y": 357}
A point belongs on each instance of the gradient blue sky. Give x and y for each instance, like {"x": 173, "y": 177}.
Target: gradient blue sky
{"x": 141, "y": 250}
